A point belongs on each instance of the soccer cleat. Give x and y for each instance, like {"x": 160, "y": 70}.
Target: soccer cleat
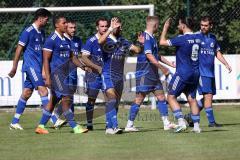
{"x": 169, "y": 126}
{"x": 188, "y": 119}
{"x": 180, "y": 128}
{"x": 131, "y": 129}
{"x": 41, "y": 130}
{"x": 15, "y": 126}
{"x": 79, "y": 129}
{"x": 59, "y": 123}
{"x": 214, "y": 125}
{"x": 90, "y": 127}
{"x": 117, "y": 131}
{"x": 196, "y": 130}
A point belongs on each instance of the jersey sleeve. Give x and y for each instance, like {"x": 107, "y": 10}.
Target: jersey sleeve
{"x": 217, "y": 46}
{"x": 176, "y": 41}
{"x": 48, "y": 45}
{"x": 87, "y": 48}
{"x": 24, "y": 38}
{"x": 147, "y": 45}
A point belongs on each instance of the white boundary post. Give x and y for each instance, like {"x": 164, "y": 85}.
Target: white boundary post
{"x": 149, "y": 7}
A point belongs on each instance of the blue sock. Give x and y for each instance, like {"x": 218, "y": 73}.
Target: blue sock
{"x": 19, "y": 111}
{"x": 178, "y": 113}
{"x": 44, "y": 100}
{"x": 162, "y": 107}
{"x": 89, "y": 113}
{"x": 195, "y": 118}
{"x": 45, "y": 116}
{"x": 210, "y": 116}
{"x": 133, "y": 111}
{"x": 54, "y": 118}
{"x": 111, "y": 114}
{"x": 72, "y": 105}
{"x": 200, "y": 104}
{"x": 70, "y": 118}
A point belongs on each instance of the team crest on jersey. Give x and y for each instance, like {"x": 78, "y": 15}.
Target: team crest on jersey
{"x": 212, "y": 45}
{"x": 36, "y": 40}
{"x": 76, "y": 44}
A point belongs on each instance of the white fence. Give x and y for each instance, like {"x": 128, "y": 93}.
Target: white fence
{"x": 228, "y": 85}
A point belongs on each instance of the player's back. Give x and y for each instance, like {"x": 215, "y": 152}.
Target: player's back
{"x": 32, "y": 39}
{"x": 144, "y": 66}
{"x": 187, "y": 62}
{"x": 209, "y": 48}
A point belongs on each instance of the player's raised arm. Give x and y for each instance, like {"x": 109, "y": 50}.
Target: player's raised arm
{"x": 163, "y": 39}
{"x": 17, "y": 56}
{"x": 167, "y": 62}
{"x": 114, "y": 25}
{"x": 223, "y": 60}
{"x": 138, "y": 46}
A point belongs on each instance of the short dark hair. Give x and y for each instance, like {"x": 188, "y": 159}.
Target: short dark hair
{"x": 101, "y": 19}
{"x": 56, "y": 19}
{"x": 70, "y": 20}
{"x": 41, "y": 12}
{"x": 188, "y": 21}
{"x": 207, "y": 18}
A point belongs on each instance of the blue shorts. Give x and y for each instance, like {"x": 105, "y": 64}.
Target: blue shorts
{"x": 109, "y": 83}
{"x": 92, "y": 87}
{"x": 206, "y": 85}
{"x": 144, "y": 84}
{"x": 178, "y": 86}
{"x": 33, "y": 78}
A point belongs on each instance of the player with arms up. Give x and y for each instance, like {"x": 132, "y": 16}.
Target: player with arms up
{"x": 185, "y": 79}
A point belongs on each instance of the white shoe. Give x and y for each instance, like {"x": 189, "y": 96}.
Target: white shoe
{"x": 59, "y": 123}
{"x": 180, "y": 128}
{"x": 169, "y": 126}
{"x": 15, "y": 126}
{"x": 196, "y": 130}
{"x": 113, "y": 131}
{"x": 131, "y": 129}
{"x": 109, "y": 131}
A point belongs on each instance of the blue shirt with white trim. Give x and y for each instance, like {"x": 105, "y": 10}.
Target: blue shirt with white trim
{"x": 144, "y": 66}
{"x": 32, "y": 39}
{"x": 187, "y": 51}
{"x": 209, "y": 48}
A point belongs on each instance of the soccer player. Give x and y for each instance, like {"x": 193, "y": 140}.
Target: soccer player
{"x": 114, "y": 50}
{"x": 147, "y": 76}
{"x": 209, "y": 50}
{"x": 93, "y": 81}
{"x": 30, "y": 43}
{"x": 76, "y": 44}
{"x": 59, "y": 61}
{"x": 185, "y": 79}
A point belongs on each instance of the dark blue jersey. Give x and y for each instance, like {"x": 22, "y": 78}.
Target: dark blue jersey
{"x": 144, "y": 66}
{"x": 188, "y": 47}
{"x": 32, "y": 39}
{"x": 114, "y": 52}
{"x": 209, "y": 48}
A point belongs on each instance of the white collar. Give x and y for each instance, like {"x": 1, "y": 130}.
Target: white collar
{"x": 97, "y": 36}
{"x": 188, "y": 33}
{"x": 148, "y": 33}
{"x": 113, "y": 37}
{"x": 35, "y": 27}
{"x": 62, "y": 38}
{"x": 67, "y": 36}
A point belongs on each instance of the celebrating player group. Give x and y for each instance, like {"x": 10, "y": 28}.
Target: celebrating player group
{"x": 51, "y": 63}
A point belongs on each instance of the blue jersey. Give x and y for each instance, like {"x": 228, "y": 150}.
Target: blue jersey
{"x": 60, "y": 47}
{"x": 32, "y": 39}
{"x": 187, "y": 63}
{"x": 114, "y": 52}
{"x": 93, "y": 49}
{"x": 209, "y": 48}
{"x": 76, "y": 44}
{"x": 144, "y": 66}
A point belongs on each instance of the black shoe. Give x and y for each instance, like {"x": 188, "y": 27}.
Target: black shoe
{"x": 214, "y": 125}
{"x": 189, "y": 120}
{"x": 90, "y": 128}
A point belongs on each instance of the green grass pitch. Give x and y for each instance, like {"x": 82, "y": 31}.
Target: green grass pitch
{"x": 151, "y": 143}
